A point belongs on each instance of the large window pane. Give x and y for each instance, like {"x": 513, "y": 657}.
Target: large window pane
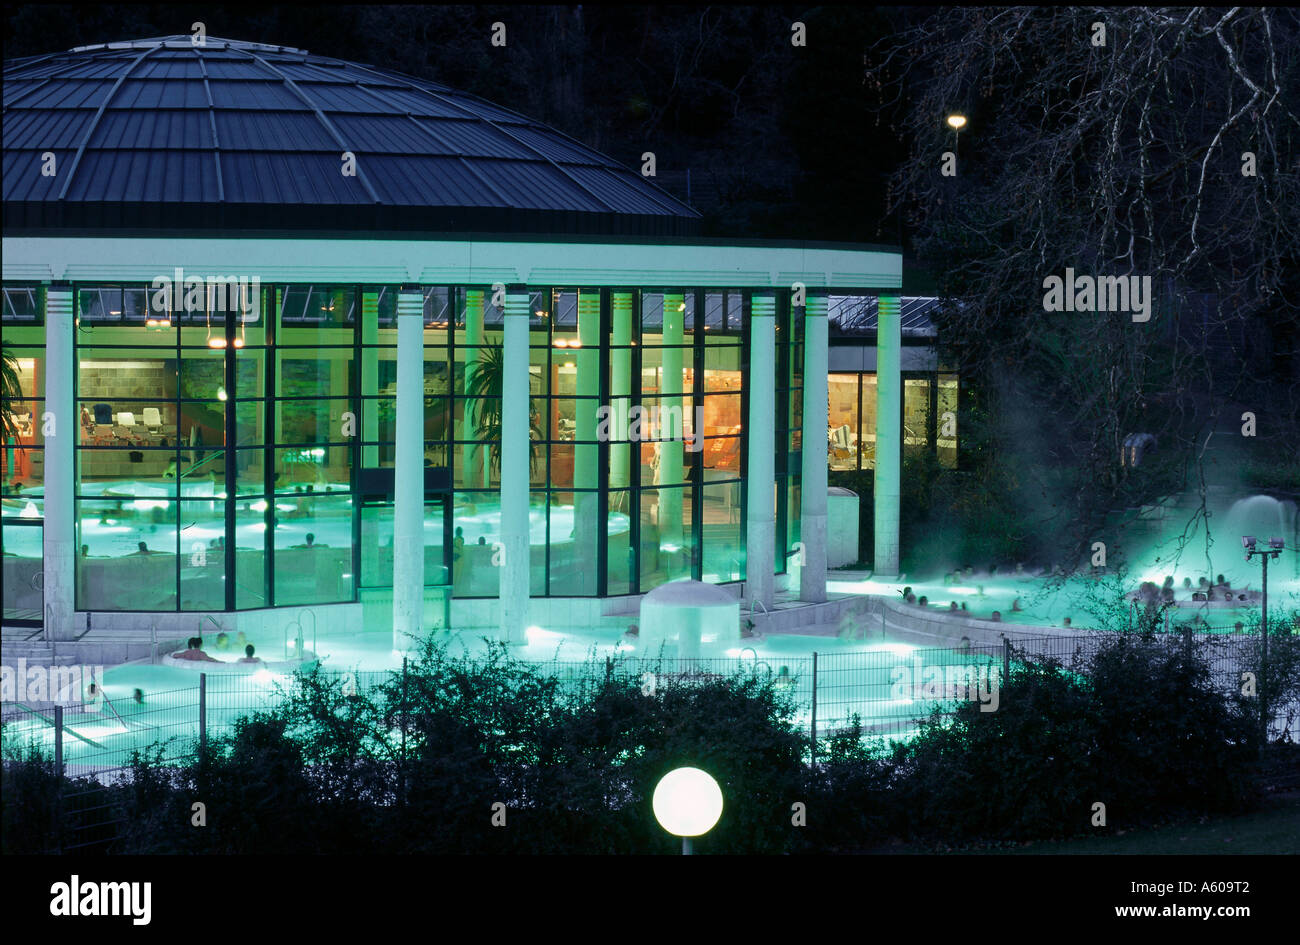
{"x": 723, "y": 556}
{"x": 575, "y": 530}
{"x": 127, "y": 555}
{"x": 946, "y": 422}
{"x": 843, "y": 421}
{"x": 916, "y": 413}
{"x": 313, "y": 551}
{"x": 476, "y": 521}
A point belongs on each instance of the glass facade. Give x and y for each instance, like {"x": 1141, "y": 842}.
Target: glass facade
{"x": 22, "y": 452}
{"x": 929, "y": 418}
{"x": 236, "y": 448}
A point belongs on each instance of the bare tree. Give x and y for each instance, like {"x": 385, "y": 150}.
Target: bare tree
{"x": 1115, "y": 142}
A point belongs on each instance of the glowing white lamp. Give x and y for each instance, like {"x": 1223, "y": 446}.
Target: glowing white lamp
{"x": 687, "y": 803}
{"x": 957, "y": 122}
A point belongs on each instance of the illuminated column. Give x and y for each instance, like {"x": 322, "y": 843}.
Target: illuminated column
{"x": 340, "y": 362}
{"x": 472, "y": 459}
{"x": 369, "y": 377}
{"x": 812, "y": 514}
{"x": 620, "y": 381}
{"x": 408, "y": 476}
{"x": 760, "y": 539}
{"x": 60, "y": 548}
{"x": 515, "y": 445}
{"x": 670, "y": 425}
{"x": 889, "y": 393}
{"x": 586, "y": 457}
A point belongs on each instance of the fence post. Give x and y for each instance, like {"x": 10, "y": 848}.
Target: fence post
{"x": 1263, "y": 687}
{"x": 203, "y": 713}
{"x": 58, "y": 740}
{"x": 58, "y": 773}
{"x": 401, "y": 765}
{"x": 813, "y": 750}
{"x": 1006, "y": 659}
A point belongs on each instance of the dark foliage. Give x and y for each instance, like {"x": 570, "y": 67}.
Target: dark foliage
{"x": 418, "y": 763}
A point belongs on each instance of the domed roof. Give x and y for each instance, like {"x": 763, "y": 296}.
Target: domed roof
{"x": 161, "y": 134}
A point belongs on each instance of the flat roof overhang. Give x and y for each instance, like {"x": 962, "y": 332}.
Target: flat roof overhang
{"x": 561, "y": 261}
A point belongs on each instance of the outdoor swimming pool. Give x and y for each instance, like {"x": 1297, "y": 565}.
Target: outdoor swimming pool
{"x": 878, "y": 681}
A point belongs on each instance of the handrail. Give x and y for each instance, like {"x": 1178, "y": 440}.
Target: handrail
{"x": 67, "y": 728}
{"x": 216, "y": 454}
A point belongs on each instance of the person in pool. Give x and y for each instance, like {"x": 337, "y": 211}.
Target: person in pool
{"x": 248, "y": 656}
{"x": 194, "y": 651}
{"x": 223, "y": 640}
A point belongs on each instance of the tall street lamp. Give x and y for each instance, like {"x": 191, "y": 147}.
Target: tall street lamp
{"x": 1274, "y": 549}
{"x": 957, "y": 122}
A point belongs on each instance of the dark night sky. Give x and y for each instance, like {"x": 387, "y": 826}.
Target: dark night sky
{"x": 781, "y": 142}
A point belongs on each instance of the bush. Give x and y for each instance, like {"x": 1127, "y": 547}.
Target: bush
{"x": 417, "y": 764}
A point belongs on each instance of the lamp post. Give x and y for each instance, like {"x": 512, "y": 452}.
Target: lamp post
{"x": 956, "y": 122}
{"x": 687, "y": 803}
{"x": 1274, "y": 549}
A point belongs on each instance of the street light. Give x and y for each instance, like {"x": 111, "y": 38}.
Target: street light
{"x": 687, "y": 803}
{"x": 1275, "y": 548}
{"x": 956, "y": 122}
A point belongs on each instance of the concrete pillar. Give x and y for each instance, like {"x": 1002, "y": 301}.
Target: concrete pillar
{"x": 473, "y": 458}
{"x": 515, "y": 444}
{"x": 370, "y": 377}
{"x": 408, "y": 475}
{"x": 889, "y": 435}
{"x": 586, "y": 456}
{"x": 620, "y": 385}
{"x": 671, "y": 452}
{"x": 812, "y": 512}
{"x": 340, "y": 369}
{"x": 760, "y": 541}
{"x": 60, "y": 533}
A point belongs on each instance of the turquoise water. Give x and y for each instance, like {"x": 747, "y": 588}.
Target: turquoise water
{"x": 872, "y": 680}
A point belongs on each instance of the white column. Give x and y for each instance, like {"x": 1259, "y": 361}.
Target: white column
{"x": 370, "y": 377}
{"x": 620, "y": 378}
{"x": 760, "y": 540}
{"x": 586, "y": 456}
{"x": 60, "y": 538}
{"x": 671, "y": 452}
{"x": 473, "y": 461}
{"x": 408, "y": 478}
{"x": 889, "y": 433}
{"x": 812, "y": 511}
{"x": 515, "y": 443}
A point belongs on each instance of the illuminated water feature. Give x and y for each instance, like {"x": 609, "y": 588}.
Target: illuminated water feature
{"x": 116, "y": 531}
{"x": 855, "y": 677}
{"x": 1094, "y": 599}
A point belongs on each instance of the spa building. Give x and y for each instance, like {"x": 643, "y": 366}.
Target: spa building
{"x": 291, "y": 332}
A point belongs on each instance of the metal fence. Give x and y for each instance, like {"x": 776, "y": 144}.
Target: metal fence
{"x": 887, "y": 691}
